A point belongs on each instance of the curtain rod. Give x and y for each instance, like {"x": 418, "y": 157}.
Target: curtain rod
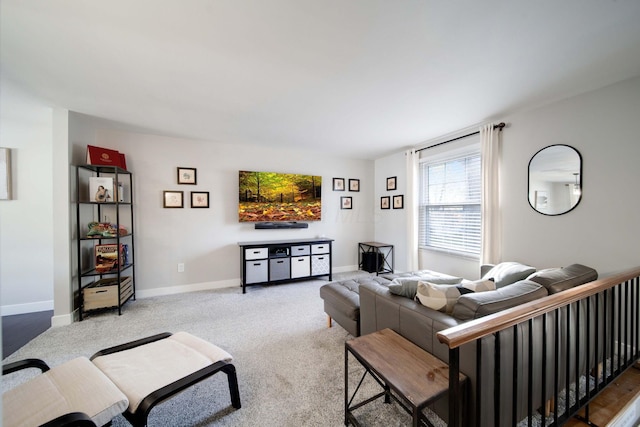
{"x": 499, "y": 126}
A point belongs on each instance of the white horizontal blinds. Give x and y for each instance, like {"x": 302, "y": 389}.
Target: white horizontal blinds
{"x": 450, "y": 197}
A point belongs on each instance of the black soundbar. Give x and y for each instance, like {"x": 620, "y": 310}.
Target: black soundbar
{"x": 284, "y": 224}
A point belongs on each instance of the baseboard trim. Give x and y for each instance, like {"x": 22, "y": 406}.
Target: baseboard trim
{"x": 69, "y": 318}
{"x": 345, "y": 269}
{"x": 63, "y": 320}
{"x": 172, "y": 290}
{"x": 31, "y": 307}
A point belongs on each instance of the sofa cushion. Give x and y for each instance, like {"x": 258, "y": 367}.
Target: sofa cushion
{"x": 444, "y": 297}
{"x": 507, "y": 273}
{"x": 407, "y": 286}
{"x": 562, "y": 278}
{"x": 472, "y": 306}
{"x": 74, "y": 386}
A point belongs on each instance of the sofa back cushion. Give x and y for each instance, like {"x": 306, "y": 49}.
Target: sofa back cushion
{"x": 562, "y": 278}
{"x": 507, "y": 273}
{"x": 472, "y": 306}
{"x": 444, "y": 297}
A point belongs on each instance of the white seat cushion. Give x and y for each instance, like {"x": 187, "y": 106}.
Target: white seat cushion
{"x": 75, "y": 386}
{"x": 142, "y": 370}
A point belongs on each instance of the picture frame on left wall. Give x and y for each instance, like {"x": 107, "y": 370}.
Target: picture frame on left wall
{"x": 173, "y": 199}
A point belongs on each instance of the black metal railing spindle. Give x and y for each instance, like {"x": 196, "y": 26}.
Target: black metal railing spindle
{"x": 479, "y": 379}
{"x": 544, "y": 370}
{"x": 556, "y": 366}
{"x": 514, "y": 380}
{"x": 530, "y": 376}
{"x": 496, "y": 380}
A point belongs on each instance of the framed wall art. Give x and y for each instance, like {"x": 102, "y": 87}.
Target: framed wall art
{"x": 199, "y": 199}
{"x": 398, "y": 202}
{"x": 354, "y": 185}
{"x": 338, "y": 184}
{"x": 385, "y": 202}
{"x": 187, "y": 176}
{"x": 173, "y": 199}
{"x": 391, "y": 183}
{"x": 346, "y": 203}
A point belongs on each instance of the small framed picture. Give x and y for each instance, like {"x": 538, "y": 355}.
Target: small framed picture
{"x": 338, "y": 184}
{"x": 385, "y": 202}
{"x": 391, "y": 183}
{"x": 187, "y": 176}
{"x": 354, "y": 185}
{"x": 199, "y": 199}
{"x": 173, "y": 199}
{"x": 398, "y": 202}
{"x": 345, "y": 203}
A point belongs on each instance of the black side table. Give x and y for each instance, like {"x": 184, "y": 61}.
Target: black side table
{"x": 375, "y": 257}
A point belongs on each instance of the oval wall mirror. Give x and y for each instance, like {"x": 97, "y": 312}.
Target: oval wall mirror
{"x": 555, "y": 179}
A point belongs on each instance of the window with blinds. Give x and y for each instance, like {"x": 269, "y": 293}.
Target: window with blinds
{"x": 450, "y": 197}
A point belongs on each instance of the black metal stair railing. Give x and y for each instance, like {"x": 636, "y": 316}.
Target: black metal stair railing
{"x": 551, "y": 357}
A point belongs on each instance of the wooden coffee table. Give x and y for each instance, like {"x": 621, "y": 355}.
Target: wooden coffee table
{"x": 398, "y": 365}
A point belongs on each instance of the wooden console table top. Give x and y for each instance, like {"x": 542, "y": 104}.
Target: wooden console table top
{"x": 413, "y": 372}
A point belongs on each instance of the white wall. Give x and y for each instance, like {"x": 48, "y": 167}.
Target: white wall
{"x": 391, "y": 224}
{"x": 602, "y": 231}
{"x": 26, "y": 222}
{"x": 205, "y": 240}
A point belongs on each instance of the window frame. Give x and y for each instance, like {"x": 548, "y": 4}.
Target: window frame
{"x": 471, "y": 149}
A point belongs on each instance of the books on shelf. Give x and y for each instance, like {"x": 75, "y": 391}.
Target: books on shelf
{"x": 101, "y": 156}
{"x": 101, "y": 189}
{"x": 109, "y": 257}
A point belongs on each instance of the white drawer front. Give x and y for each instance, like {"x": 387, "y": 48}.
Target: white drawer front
{"x": 256, "y": 253}
{"x": 320, "y": 248}
{"x": 256, "y": 271}
{"x": 300, "y": 266}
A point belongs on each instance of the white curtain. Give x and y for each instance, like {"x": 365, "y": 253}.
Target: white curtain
{"x": 411, "y": 204}
{"x": 490, "y": 141}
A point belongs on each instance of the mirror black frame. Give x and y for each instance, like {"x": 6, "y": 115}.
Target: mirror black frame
{"x": 529, "y": 180}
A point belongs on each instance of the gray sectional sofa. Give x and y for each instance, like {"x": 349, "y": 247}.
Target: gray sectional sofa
{"x": 374, "y": 303}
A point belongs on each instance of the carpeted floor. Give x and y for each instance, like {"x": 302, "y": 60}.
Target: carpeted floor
{"x": 290, "y": 365}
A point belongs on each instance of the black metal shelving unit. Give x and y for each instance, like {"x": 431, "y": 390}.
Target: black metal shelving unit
{"x": 88, "y": 211}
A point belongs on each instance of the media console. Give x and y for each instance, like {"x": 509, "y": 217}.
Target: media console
{"x": 279, "y": 261}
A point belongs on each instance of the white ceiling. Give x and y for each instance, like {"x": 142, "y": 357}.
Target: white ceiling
{"x": 362, "y": 78}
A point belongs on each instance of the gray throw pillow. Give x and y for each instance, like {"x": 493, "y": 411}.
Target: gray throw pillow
{"x": 405, "y": 287}
{"x": 507, "y": 273}
{"x": 408, "y": 286}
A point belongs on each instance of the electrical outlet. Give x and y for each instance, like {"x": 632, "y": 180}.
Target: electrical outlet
{"x": 181, "y": 267}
